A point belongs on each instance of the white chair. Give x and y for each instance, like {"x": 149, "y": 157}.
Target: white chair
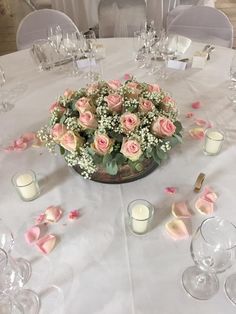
{"x": 121, "y": 18}
{"x": 203, "y": 24}
{"x": 34, "y": 26}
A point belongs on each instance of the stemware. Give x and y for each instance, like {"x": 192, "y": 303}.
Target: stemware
{"x": 4, "y": 105}
{"x": 55, "y": 37}
{"x": 90, "y": 51}
{"x": 212, "y": 249}
{"x": 6, "y": 238}
{"x": 12, "y": 278}
{"x": 72, "y": 45}
{"x": 232, "y": 85}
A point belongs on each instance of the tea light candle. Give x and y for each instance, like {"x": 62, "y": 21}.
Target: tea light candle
{"x": 140, "y": 215}
{"x": 213, "y": 141}
{"x": 26, "y": 185}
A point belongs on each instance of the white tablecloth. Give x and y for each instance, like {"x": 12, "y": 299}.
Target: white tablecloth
{"x": 98, "y": 266}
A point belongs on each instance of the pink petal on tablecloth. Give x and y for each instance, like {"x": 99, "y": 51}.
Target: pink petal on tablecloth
{"x": 177, "y": 229}
{"x": 128, "y": 76}
{"x": 170, "y": 190}
{"x": 196, "y": 105}
{"x": 29, "y": 136}
{"x": 209, "y": 195}
{"x": 201, "y": 122}
{"x": 32, "y": 234}
{"x": 180, "y": 210}
{"x": 189, "y": 115}
{"x": 40, "y": 219}
{"x": 74, "y": 214}
{"x": 204, "y": 207}
{"x": 46, "y": 244}
{"x": 197, "y": 133}
{"x": 53, "y": 213}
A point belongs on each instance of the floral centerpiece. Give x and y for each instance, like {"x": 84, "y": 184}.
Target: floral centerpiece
{"x": 110, "y": 125}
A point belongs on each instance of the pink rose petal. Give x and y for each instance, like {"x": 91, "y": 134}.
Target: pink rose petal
{"x": 53, "y": 213}
{"x": 180, "y": 210}
{"x": 177, "y": 229}
{"x": 197, "y": 133}
{"x": 170, "y": 190}
{"x": 201, "y": 122}
{"x": 128, "y": 76}
{"x": 196, "y": 105}
{"x": 40, "y": 219}
{"x": 46, "y": 244}
{"x": 209, "y": 195}
{"x": 30, "y": 136}
{"x": 189, "y": 115}
{"x": 204, "y": 207}
{"x": 32, "y": 234}
{"x": 74, "y": 214}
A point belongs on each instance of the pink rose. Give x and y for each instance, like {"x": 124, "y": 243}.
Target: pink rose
{"x": 58, "y": 131}
{"x": 88, "y": 120}
{"x": 114, "y": 102}
{"x": 169, "y": 104}
{"x": 57, "y": 106}
{"x": 92, "y": 88}
{"x": 163, "y": 127}
{"x": 83, "y": 105}
{"x": 129, "y": 121}
{"x": 102, "y": 144}
{"x": 70, "y": 141}
{"x": 131, "y": 149}
{"x": 134, "y": 87}
{"x": 68, "y": 93}
{"x": 152, "y": 88}
{"x": 114, "y": 84}
{"x": 168, "y": 99}
{"x": 146, "y": 105}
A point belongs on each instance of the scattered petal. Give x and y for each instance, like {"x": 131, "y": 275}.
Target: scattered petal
{"x": 204, "y": 207}
{"x": 201, "y": 122}
{"x": 53, "y": 213}
{"x": 74, "y": 214}
{"x": 196, "y": 105}
{"x": 177, "y": 229}
{"x": 32, "y": 234}
{"x": 40, "y": 219}
{"x": 189, "y": 115}
{"x": 197, "y": 133}
{"x": 128, "y": 76}
{"x": 209, "y": 195}
{"x": 22, "y": 143}
{"x": 180, "y": 210}
{"x": 46, "y": 244}
{"x": 170, "y": 190}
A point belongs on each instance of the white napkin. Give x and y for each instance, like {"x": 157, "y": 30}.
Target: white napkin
{"x": 180, "y": 44}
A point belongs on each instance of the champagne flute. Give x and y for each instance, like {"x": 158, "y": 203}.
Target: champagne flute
{"x": 72, "y": 45}
{"x": 55, "y": 37}
{"x": 232, "y": 85}
{"x": 213, "y": 251}
{"x": 4, "y": 105}
{"x": 90, "y": 51}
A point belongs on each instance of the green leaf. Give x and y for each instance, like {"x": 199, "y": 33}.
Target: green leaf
{"x": 63, "y": 118}
{"x": 161, "y": 154}
{"x": 155, "y": 157}
{"x": 178, "y": 126}
{"x": 91, "y": 151}
{"x": 179, "y": 138}
{"x": 120, "y": 158}
{"x": 62, "y": 150}
{"x": 106, "y": 160}
{"x": 97, "y": 159}
{"x": 138, "y": 167}
{"x": 112, "y": 168}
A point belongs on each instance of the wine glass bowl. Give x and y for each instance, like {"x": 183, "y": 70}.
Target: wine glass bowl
{"x": 6, "y": 238}
{"x": 4, "y": 105}
{"x": 213, "y": 251}
{"x": 72, "y": 46}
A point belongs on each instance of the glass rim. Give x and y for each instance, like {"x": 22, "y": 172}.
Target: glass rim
{"x": 149, "y": 205}
{"x": 17, "y": 174}
{"x": 220, "y": 219}
{"x": 215, "y": 130}
{"x": 5, "y": 256}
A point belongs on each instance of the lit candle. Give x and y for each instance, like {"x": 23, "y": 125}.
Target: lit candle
{"x": 140, "y": 214}
{"x": 213, "y": 141}
{"x": 26, "y": 185}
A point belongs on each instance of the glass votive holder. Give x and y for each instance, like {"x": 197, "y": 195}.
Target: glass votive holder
{"x": 26, "y": 185}
{"x": 214, "y": 139}
{"x": 140, "y": 214}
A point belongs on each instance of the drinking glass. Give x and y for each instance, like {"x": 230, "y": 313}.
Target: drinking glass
{"x": 232, "y": 85}
{"x": 13, "y": 276}
{"x": 6, "y": 238}
{"x": 90, "y": 43}
{"x": 55, "y": 37}
{"x": 213, "y": 251}
{"x": 4, "y": 105}
{"x": 72, "y": 45}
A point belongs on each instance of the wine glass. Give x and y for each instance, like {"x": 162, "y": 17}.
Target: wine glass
{"x": 90, "y": 51}
{"x": 72, "y": 45}
{"x": 12, "y": 278}
{"x": 6, "y": 238}
{"x": 232, "y": 85}
{"x": 4, "y": 105}
{"x": 212, "y": 249}
{"x": 55, "y": 37}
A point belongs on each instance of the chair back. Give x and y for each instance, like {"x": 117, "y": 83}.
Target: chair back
{"x": 121, "y": 18}
{"x": 203, "y": 24}
{"x": 34, "y": 26}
